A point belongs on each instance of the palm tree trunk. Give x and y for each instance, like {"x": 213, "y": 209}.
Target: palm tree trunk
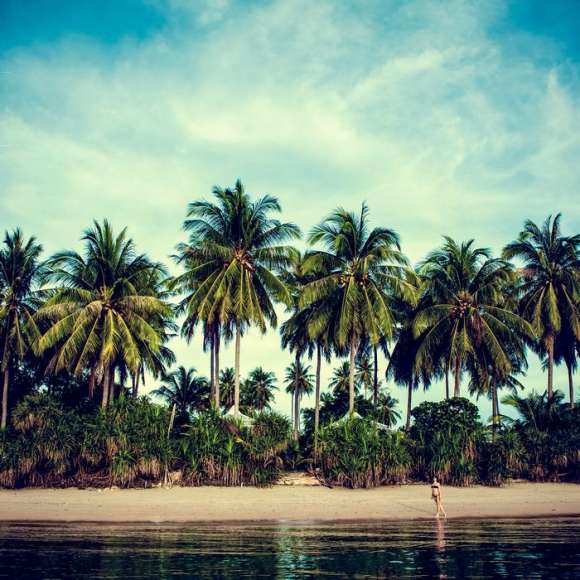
{"x": 212, "y": 370}
{"x": 217, "y": 371}
{"x": 106, "y": 379}
{"x": 317, "y": 399}
{"x": 570, "y": 385}
{"x": 92, "y": 381}
{"x": 457, "y": 391}
{"x": 237, "y": 372}
{"x": 494, "y": 411}
{"x": 447, "y": 380}
{"x": 409, "y": 403}
{"x": 136, "y": 379}
{"x": 296, "y": 396}
{"x": 351, "y": 376}
{"x": 376, "y": 377}
{"x": 550, "y": 349}
{"x": 5, "y": 398}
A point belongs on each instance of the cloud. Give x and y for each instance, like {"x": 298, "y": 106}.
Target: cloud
{"x": 437, "y": 122}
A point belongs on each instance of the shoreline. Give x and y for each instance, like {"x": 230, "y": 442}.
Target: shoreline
{"x": 283, "y": 505}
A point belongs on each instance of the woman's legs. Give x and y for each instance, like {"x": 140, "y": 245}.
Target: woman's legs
{"x": 440, "y": 507}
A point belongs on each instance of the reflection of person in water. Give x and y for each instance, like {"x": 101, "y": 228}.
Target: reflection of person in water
{"x": 440, "y": 535}
{"x": 436, "y": 495}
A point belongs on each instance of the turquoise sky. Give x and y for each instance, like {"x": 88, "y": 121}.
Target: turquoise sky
{"x": 458, "y": 118}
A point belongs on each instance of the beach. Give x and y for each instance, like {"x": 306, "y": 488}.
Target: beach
{"x": 292, "y": 503}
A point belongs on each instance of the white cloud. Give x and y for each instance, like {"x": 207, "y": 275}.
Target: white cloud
{"x": 428, "y": 118}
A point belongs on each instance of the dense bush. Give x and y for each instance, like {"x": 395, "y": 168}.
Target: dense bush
{"x": 356, "y": 453}
{"x": 446, "y": 437}
{"x": 218, "y": 451}
{"x": 130, "y": 444}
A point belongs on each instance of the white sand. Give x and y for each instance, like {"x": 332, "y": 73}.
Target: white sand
{"x": 285, "y": 503}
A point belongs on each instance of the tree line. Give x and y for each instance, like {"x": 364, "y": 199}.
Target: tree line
{"x": 104, "y": 316}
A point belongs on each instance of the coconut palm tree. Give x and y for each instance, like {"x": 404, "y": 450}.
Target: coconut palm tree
{"x": 99, "y": 316}
{"x": 299, "y": 382}
{"x": 361, "y": 270}
{"x": 258, "y": 389}
{"x": 235, "y": 253}
{"x": 185, "y": 390}
{"x": 549, "y": 282}
{"x": 227, "y": 386}
{"x": 464, "y": 310}
{"x": 364, "y": 372}
{"x": 340, "y": 380}
{"x": 20, "y": 273}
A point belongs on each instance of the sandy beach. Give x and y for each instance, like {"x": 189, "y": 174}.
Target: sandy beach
{"x": 297, "y": 503}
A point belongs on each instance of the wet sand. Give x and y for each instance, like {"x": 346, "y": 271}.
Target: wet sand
{"x": 298, "y": 503}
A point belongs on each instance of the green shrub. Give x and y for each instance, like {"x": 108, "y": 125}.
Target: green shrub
{"x": 446, "y": 438}
{"x": 218, "y": 451}
{"x": 356, "y": 453}
{"x": 502, "y": 459}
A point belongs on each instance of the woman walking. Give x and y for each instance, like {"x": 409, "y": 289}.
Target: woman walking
{"x": 436, "y": 496}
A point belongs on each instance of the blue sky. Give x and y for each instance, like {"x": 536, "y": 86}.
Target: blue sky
{"x": 458, "y": 118}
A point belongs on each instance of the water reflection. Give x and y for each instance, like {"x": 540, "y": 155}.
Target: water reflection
{"x": 437, "y": 548}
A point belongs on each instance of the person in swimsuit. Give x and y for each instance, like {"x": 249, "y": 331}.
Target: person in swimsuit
{"x": 436, "y": 496}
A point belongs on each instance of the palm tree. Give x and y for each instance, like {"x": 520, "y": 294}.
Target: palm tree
{"x": 185, "y": 390}
{"x": 20, "y": 272}
{"x": 566, "y": 350}
{"x": 549, "y": 283}
{"x": 235, "y": 253}
{"x": 364, "y": 372}
{"x": 361, "y": 270}
{"x": 258, "y": 389}
{"x": 227, "y": 386}
{"x": 464, "y": 311}
{"x": 340, "y": 381}
{"x": 386, "y": 410}
{"x": 100, "y": 317}
{"x": 298, "y": 383}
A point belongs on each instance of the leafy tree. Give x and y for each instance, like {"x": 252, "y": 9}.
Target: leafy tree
{"x": 234, "y": 255}
{"x": 100, "y": 316}
{"x": 258, "y": 390}
{"x": 464, "y": 310}
{"x": 227, "y": 387}
{"x": 549, "y": 282}
{"x": 361, "y": 269}
{"x": 20, "y": 274}
{"x": 298, "y": 380}
{"x": 185, "y": 390}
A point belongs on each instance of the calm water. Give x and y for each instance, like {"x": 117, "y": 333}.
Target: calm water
{"x": 454, "y": 549}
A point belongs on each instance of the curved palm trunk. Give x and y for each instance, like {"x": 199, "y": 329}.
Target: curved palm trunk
{"x": 457, "y": 387}
{"x": 409, "y": 403}
{"x": 376, "y": 377}
{"x": 317, "y": 399}
{"x": 136, "y": 379}
{"x": 212, "y": 370}
{"x": 297, "y": 396}
{"x": 92, "y": 381}
{"x": 5, "y": 398}
{"x": 106, "y": 379}
{"x": 570, "y": 385}
{"x": 550, "y": 349}
{"x": 217, "y": 371}
{"x": 494, "y": 411}
{"x": 237, "y": 371}
{"x": 447, "y": 380}
{"x": 351, "y": 377}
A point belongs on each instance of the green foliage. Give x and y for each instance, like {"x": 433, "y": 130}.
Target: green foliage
{"x": 502, "y": 459}
{"x": 218, "y": 451}
{"x": 356, "y": 453}
{"x": 446, "y": 437}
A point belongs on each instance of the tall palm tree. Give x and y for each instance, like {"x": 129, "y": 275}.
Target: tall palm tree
{"x": 185, "y": 390}
{"x": 99, "y": 316}
{"x": 235, "y": 253}
{"x": 364, "y": 372}
{"x": 566, "y": 350}
{"x": 298, "y": 380}
{"x": 258, "y": 389}
{"x": 464, "y": 310}
{"x": 549, "y": 282}
{"x": 361, "y": 269}
{"x": 20, "y": 273}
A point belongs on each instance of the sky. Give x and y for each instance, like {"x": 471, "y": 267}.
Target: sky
{"x": 457, "y": 118}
